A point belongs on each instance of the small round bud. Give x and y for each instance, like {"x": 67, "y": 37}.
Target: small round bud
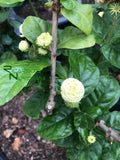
{"x": 23, "y": 46}
{"x": 72, "y": 90}
{"x": 91, "y": 139}
{"x": 42, "y": 51}
{"x": 44, "y": 40}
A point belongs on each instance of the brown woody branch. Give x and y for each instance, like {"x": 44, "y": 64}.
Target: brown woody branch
{"x": 55, "y": 10}
{"x": 109, "y": 131}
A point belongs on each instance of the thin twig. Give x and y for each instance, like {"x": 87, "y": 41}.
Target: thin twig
{"x": 111, "y": 31}
{"x": 50, "y": 104}
{"x": 33, "y": 8}
{"x": 109, "y": 131}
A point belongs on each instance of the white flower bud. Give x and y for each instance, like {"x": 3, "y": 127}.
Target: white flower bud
{"x": 72, "y": 90}
{"x": 42, "y": 51}
{"x": 23, "y": 46}
{"x": 20, "y": 29}
{"x": 44, "y": 39}
{"x": 101, "y": 14}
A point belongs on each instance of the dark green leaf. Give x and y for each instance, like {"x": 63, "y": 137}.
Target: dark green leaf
{"x": 60, "y": 71}
{"x": 35, "y": 104}
{"x": 83, "y": 69}
{"x": 85, "y": 152}
{"x": 83, "y": 120}
{"x": 7, "y": 57}
{"x": 93, "y": 112}
{"x": 105, "y": 95}
{"x": 4, "y": 15}
{"x": 6, "y": 39}
{"x": 58, "y": 125}
{"x": 69, "y": 141}
{"x": 100, "y": 29}
{"x": 111, "y": 51}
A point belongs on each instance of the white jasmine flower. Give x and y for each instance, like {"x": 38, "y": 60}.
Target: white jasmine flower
{"x": 72, "y": 90}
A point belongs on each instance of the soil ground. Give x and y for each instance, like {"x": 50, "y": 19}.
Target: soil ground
{"x": 32, "y": 147}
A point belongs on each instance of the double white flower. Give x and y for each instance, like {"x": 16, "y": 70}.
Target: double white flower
{"x": 72, "y": 91}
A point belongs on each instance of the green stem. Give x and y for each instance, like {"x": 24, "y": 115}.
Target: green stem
{"x": 113, "y": 25}
{"x": 109, "y": 37}
{"x": 33, "y": 8}
{"x": 100, "y": 59}
{"x": 35, "y": 54}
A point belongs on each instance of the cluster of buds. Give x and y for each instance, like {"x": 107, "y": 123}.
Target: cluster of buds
{"x": 43, "y": 41}
{"x": 72, "y": 91}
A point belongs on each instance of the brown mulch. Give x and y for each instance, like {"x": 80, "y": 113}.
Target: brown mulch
{"x": 32, "y": 146}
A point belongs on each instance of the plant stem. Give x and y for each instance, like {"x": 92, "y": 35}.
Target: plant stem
{"x": 109, "y": 37}
{"x": 111, "y": 31}
{"x": 50, "y": 104}
{"x": 33, "y": 8}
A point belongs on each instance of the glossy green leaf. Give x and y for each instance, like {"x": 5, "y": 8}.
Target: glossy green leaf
{"x": 100, "y": 29}
{"x": 35, "y": 104}
{"x": 17, "y": 76}
{"x": 60, "y": 71}
{"x": 83, "y": 120}
{"x": 83, "y": 69}
{"x": 68, "y": 4}
{"x": 58, "y": 125}
{"x": 105, "y": 95}
{"x": 73, "y": 38}
{"x": 111, "y": 51}
{"x": 81, "y": 16}
{"x": 7, "y": 57}
{"x": 33, "y": 27}
{"x": 85, "y": 152}
{"x": 68, "y": 142}
{"x": 93, "y": 112}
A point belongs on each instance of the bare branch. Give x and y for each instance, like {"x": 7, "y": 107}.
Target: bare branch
{"x": 50, "y": 104}
{"x": 109, "y": 131}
